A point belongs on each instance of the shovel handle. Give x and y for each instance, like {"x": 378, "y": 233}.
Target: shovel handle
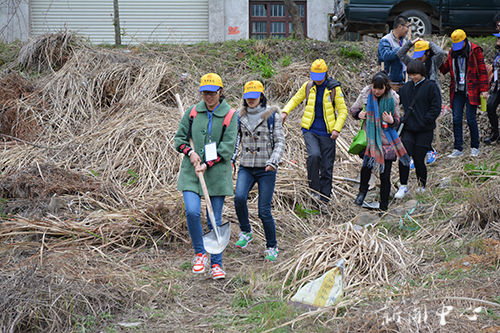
{"x": 208, "y": 202}
{"x": 211, "y": 215}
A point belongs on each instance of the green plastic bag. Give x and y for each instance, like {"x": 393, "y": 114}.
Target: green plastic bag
{"x": 358, "y": 144}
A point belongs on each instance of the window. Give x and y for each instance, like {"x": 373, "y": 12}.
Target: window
{"x": 270, "y": 19}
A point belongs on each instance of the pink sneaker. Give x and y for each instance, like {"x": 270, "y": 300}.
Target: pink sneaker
{"x": 199, "y": 263}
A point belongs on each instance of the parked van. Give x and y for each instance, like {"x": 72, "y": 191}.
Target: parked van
{"x": 426, "y": 16}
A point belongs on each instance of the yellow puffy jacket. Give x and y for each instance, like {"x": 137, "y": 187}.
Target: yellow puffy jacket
{"x": 333, "y": 121}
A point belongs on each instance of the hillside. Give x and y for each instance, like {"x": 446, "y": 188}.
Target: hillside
{"x": 93, "y": 234}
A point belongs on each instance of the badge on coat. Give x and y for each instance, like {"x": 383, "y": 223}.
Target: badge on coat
{"x": 210, "y": 152}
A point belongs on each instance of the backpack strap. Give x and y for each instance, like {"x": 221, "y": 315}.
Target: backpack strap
{"x": 270, "y": 126}
{"x": 227, "y": 121}
{"x": 308, "y": 90}
{"x": 477, "y": 67}
{"x": 192, "y": 114}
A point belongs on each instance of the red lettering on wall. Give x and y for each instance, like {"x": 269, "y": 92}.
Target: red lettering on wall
{"x": 233, "y": 30}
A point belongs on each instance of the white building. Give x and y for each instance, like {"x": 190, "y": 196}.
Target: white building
{"x": 162, "y": 21}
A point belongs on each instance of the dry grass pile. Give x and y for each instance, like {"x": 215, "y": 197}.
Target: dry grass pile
{"x": 106, "y": 115}
{"x": 371, "y": 258}
{"x": 33, "y": 190}
{"x": 128, "y": 229}
{"x": 482, "y": 209}
{"x": 42, "y": 181}
{"x": 64, "y": 206}
{"x": 81, "y": 93}
{"x": 64, "y": 288}
{"x": 50, "y": 51}
{"x": 15, "y": 92}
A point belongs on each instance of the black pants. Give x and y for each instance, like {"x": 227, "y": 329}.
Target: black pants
{"x": 416, "y": 144}
{"x": 320, "y": 159}
{"x": 385, "y": 183}
{"x": 491, "y": 108}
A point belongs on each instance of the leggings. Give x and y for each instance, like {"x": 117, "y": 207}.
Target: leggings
{"x": 419, "y": 155}
{"x": 385, "y": 183}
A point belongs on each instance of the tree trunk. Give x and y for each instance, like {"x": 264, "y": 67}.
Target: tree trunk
{"x": 292, "y": 8}
{"x": 116, "y": 23}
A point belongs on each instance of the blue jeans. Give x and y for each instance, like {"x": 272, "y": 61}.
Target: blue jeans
{"x": 247, "y": 177}
{"x": 192, "y": 204}
{"x": 459, "y": 100}
{"x": 320, "y": 159}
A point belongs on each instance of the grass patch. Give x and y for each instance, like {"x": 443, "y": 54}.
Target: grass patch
{"x": 305, "y": 212}
{"x": 351, "y": 52}
{"x": 262, "y": 64}
{"x": 482, "y": 171}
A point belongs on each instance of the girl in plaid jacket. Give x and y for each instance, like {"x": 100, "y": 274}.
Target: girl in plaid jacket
{"x": 262, "y": 146}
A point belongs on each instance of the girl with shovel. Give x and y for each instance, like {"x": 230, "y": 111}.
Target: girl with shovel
{"x": 262, "y": 146}
{"x": 213, "y": 136}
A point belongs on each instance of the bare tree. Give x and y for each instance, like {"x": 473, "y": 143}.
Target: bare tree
{"x": 292, "y": 8}
{"x": 116, "y": 23}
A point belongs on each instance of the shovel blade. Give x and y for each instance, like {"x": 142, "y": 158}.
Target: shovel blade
{"x": 211, "y": 243}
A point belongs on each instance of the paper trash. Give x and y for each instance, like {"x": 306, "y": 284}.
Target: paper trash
{"x": 325, "y": 290}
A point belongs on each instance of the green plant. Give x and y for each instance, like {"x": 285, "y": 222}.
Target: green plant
{"x": 8, "y": 52}
{"x": 3, "y": 205}
{"x": 305, "y": 212}
{"x": 286, "y": 60}
{"x": 352, "y": 52}
{"x": 186, "y": 266}
{"x": 95, "y": 174}
{"x": 134, "y": 175}
{"x": 241, "y": 299}
{"x": 261, "y": 63}
{"x": 482, "y": 171}
{"x": 270, "y": 313}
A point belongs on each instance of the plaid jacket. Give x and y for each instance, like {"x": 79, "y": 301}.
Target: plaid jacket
{"x": 256, "y": 148}
{"x": 476, "y": 82}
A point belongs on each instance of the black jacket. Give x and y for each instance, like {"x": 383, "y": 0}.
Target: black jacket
{"x": 427, "y": 107}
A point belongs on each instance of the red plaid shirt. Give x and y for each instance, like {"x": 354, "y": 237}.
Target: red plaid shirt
{"x": 476, "y": 82}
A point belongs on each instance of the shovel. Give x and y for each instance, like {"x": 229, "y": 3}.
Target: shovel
{"x": 216, "y": 240}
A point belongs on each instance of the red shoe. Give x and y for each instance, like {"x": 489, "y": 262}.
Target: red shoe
{"x": 217, "y": 272}
{"x": 199, "y": 263}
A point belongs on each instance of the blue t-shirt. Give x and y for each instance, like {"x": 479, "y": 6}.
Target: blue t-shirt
{"x": 318, "y": 126}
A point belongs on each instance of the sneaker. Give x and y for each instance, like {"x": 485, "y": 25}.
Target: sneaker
{"x": 217, "y": 272}
{"x": 412, "y": 164}
{"x": 492, "y": 139}
{"x": 271, "y": 254}
{"x": 403, "y": 189}
{"x": 245, "y": 238}
{"x": 421, "y": 190}
{"x": 431, "y": 156}
{"x": 316, "y": 196}
{"x": 199, "y": 263}
{"x": 474, "y": 152}
{"x": 455, "y": 153}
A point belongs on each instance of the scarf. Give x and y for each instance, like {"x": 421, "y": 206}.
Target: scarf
{"x": 254, "y": 114}
{"x": 374, "y": 153}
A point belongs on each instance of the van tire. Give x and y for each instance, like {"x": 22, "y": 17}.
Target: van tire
{"x": 419, "y": 22}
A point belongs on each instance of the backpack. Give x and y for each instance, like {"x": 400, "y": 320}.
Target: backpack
{"x": 225, "y": 123}
{"x": 270, "y": 126}
{"x": 308, "y": 90}
{"x": 489, "y": 71}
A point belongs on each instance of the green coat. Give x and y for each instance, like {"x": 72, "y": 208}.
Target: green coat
{"x": 218, "y": 178}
